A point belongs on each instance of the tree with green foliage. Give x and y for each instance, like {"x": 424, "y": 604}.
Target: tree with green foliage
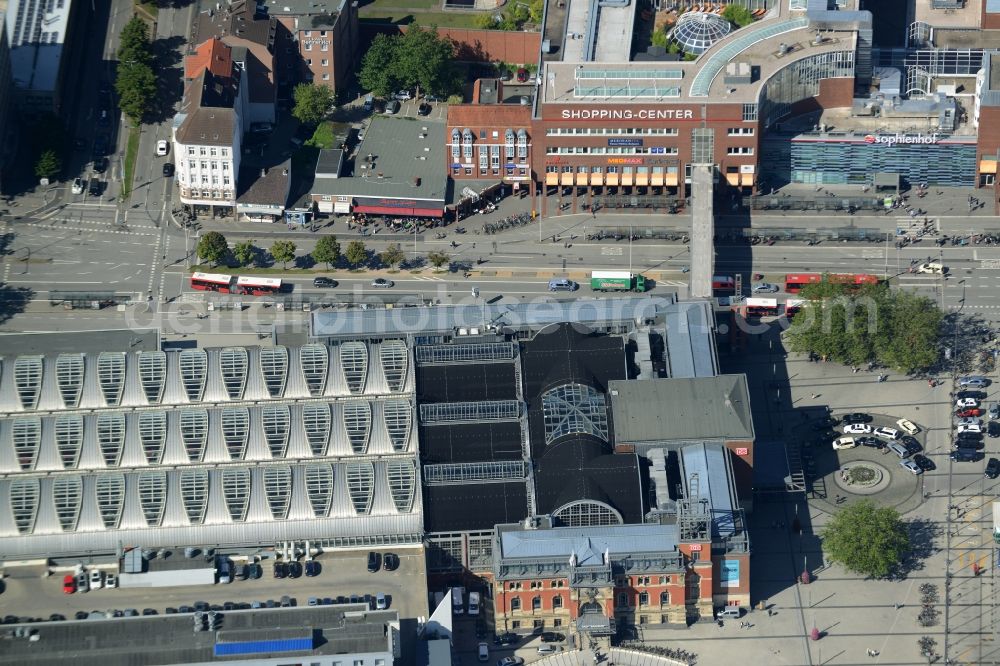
{"x": 283, "y": 251}
{"x": 212, "y": 247}
{"x": 866, "y": 539}
{"x": 897, "y": 329}
{"x": 48, "y": 165}
{"x": 392, "y": 255}
{"x": 737, "y": 14}
{"x": 136, "y": 88}
{"x": 438, "y": 259}
{"x": 356, "y": 253}
{"x": 245, "y": 252}
{"x": 535, "y": 10}
{"x": 327, "y": 250}
{"x": 420, "y": 59}
{"x": 312, "y": 103}
{"x": 135, "y": 81}
{"x": 133, "y": 47}
{"x": 378, "y": 65}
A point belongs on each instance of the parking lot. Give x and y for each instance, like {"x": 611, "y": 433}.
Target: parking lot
{"x": 342, "y": 574}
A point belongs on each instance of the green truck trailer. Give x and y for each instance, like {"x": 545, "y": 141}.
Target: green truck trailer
{"x": 617, "y": 281}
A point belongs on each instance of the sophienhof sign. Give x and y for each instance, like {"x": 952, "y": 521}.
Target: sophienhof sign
{"x": 898, "y": 139}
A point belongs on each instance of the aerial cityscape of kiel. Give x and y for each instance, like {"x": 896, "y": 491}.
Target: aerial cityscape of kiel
{"x": 507, "y": 332}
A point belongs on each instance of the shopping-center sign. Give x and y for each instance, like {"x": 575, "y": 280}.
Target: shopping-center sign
{"x": 902, "y": 139}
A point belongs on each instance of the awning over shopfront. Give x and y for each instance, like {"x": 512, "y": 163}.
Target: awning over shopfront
{"x": 670, "y": 180}
{"x": 597, "y": 179}
{"x": 657, "y": 180}
{"x": 642, "y": 179}
{"x": 552, "y": 179}
{"x": 733, "y": 179}
{"x": 566, "y": 178}
{"x": 612, "y": 179}
{"x": 987, "y": 166}
{"x": 627, "y": 178}
{"x": 581, "y": 178}
{"x": 746, "y": 180}
{"x": 407, "y": 212}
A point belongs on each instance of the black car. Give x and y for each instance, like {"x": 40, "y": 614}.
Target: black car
{"x": 992, "y": 468}
{"x": 390, "y": 561}
{"x": 923, "y": 462}
{"x": 993, "y": 429}
{"x": 101, "y": 146}
{"x": 280, "y": 569}
{"x": 56, "y": 617}
{"x": 255, "y": 571}
{"x": 294, "y": 569}
{"x": 100, "y": 164}
{"x": 969, "y": 437}
{"x": 80, "y": 615}
{"x": 96, "y": 187}
{"x": 973, "y": 444}
{"x": 168, "y": 169}
{"x": 324, "y": 283}
{"x": 824, "y": 423}
{"x": 149, "y": 611}
{"x": 229, "y": 605}
{"x": 508, "y": 638}
{"x": 965, "y": 455}
{"x": 856, "y": 417}
{"x": 975, "y": 395}
{"x": 424, "y": 109}
{"x": 552, "y": 637}
{"x": 170, "y": 610}
{"x": 873, "y": 442}
{"x": 911, "y": 444}
{"x": 202, "y": 606}
{"x": 481, "y": 630}
{"x": 374, "y": 562}
{"x": 312, "y": 568}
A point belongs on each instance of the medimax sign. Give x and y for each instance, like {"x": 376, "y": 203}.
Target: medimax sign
{"x": 902, "y": 139}
{"x": 627, "y": 114}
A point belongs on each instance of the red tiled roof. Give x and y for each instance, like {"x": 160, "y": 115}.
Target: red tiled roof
{"x": 212, "y": 55}
{"x": 489, "y": 115}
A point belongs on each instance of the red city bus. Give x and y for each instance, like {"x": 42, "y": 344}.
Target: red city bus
{"x": 760, "y": 307}
{"x": 793, "y": 305}
{"x": 257, "y": 286}
{"x": 723, "y": 283}
{"x": 795, "y": 281}
{"x": 212, "y": 282}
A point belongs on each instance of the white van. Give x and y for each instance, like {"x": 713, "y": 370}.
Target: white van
{"x": 458, "y": 600}
{"x": 730, "y": 612}
{"x": 473, "y": 604}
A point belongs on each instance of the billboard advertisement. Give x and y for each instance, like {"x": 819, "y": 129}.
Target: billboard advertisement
{"x": 729, "y": 573}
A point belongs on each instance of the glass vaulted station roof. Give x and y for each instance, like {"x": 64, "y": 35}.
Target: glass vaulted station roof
{"x": 696, "y": 32}
{"x": 208, "y": 445}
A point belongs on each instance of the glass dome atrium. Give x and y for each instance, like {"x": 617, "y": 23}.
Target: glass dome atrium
{"x": 697, "y": 31}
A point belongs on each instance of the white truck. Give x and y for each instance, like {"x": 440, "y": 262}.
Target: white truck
{"x": 996, "y": 521}
{"x": 473, "y": 604}
{"x": 458, "y": 600}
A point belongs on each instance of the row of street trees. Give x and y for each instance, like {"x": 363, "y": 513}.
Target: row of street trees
{"x": 213, "y": 248}
{"x": 135, "y": 82}
{"x": 892, "y": 328}
{"x": 419, "y": 58}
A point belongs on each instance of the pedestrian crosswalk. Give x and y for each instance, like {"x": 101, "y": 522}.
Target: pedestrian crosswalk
{"x": 426, "y": 278}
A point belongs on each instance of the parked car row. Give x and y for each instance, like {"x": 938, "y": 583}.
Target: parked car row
{"x": 82, "y": 582}
{"x": 376, "y": 561}
{"x": 969, "y": 427}
{"x": 883, "y": 438}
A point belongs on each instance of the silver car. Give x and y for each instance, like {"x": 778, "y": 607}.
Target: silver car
{"x": 382, "y": 283}
{"x": 973, "y": 382}
{"x": 765, "y": 288}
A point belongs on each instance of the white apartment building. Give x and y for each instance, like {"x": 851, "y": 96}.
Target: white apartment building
{"x": 208, "y": 130}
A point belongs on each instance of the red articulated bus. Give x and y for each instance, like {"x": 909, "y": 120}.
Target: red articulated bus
{"x": 795, "y": 281}
{"x": 257, "y": 286}
{"x": 212, "y": 282}
{"x": 723, "y": 283}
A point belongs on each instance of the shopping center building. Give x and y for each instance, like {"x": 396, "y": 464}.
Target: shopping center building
{"x": 797, "y": 96}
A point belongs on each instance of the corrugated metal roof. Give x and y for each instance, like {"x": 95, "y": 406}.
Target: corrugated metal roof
{"x": 447, "y": 318}
{"x": 708, "y": 462}
{"x": 588, "y": 543}
{"x": 663, "y": 410}
{"x": 690, "y": 340}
